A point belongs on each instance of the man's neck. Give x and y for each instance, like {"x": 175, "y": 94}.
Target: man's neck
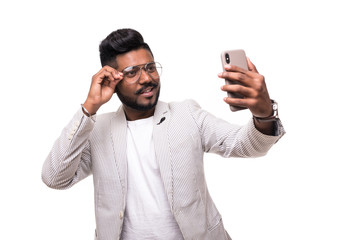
{"x": 132, "y": 114}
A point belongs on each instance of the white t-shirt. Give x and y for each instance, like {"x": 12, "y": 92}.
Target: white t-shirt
{"x": 147, "y": 214}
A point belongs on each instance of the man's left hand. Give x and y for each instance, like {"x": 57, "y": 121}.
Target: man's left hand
{"x": 251, "y": 85}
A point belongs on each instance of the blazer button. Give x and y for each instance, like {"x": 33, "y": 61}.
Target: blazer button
{"x": 121, "y": 215}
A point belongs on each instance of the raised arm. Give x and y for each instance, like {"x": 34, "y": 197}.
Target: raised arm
{"x": 70, "y": 158}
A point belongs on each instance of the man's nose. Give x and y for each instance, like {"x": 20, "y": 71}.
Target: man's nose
{"x": 144, "y": 77}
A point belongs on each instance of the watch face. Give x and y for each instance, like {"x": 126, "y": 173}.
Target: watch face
{"x": 275, "y": 106}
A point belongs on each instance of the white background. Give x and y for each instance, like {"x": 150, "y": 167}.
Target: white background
{"x": 307, "y": 187}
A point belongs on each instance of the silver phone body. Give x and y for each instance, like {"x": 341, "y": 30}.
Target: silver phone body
{"x": 235, "y": 57}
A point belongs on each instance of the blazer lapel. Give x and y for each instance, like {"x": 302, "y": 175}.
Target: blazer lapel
{"x": 118, "y": 126}
{"x": 162, "y": 151}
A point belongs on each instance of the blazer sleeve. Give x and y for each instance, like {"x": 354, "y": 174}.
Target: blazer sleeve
{"x": 69, "y": 161}
{"x": 230, "y": 140}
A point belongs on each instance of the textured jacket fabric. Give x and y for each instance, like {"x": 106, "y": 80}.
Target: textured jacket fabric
{"x": 97, "y": 146}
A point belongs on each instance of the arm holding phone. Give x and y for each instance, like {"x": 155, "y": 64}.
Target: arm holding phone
{"x": 253, "y": 88}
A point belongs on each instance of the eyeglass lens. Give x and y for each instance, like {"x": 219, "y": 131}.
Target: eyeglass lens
{"x": 132, "y": 74}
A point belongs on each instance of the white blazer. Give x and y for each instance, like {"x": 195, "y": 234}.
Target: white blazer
{"x": 97, "y": 146}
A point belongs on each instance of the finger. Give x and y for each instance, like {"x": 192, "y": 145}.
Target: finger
{"x": 107, "y": 72}
{"x": 238, "y": 77}
{"x": 106, "y": 76}
{"x": 115, "y": 73}
{"x": 251, "y": 66}
{"x": 239, "y": 89}
{"x": 240, "y": 102}
{"x": 236, "y": 102}
{"x": 113, "y": 84}
{"x": 234, "y": 68}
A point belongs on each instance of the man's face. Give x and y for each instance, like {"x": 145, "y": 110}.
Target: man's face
{"x": 143, "y": 94}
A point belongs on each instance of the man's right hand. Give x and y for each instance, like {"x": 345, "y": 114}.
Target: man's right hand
{"x": 102, "y": 88}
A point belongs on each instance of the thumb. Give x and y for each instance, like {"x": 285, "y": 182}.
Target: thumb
{"x": 114, "y": 83}
{"x": 251, "y": 66}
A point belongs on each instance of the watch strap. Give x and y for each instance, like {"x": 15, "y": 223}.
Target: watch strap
{"x": 273, "y": 117}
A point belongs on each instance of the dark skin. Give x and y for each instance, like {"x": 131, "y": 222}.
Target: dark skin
{"x": 253, "y": 88}
{"x": 108, "y": 79}
{"x": 133, "y": 58}
{"x": 102, "y": 88}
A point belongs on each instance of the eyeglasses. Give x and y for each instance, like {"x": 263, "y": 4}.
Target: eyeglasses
{"x": 132, "y": 74}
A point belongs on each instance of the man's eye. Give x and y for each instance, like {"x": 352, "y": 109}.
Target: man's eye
{"x": 151, "y": 68}
{"x": 130, "y": 73}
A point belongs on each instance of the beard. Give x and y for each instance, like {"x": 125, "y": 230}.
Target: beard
{"x": 131, "y": 103}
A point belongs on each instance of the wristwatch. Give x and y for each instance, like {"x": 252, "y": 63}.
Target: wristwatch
{"x": 273, "y": 117}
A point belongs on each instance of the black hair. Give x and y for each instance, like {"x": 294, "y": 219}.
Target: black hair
{"x": 119, "y": 42}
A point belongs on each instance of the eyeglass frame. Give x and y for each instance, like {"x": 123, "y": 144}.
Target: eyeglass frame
{"x": 141, "y": 68}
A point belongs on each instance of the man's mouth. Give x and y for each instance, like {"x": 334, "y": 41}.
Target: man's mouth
{"x": 146, "y": 90}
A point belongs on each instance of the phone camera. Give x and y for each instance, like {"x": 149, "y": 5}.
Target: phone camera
{"x": 227, "y": 58}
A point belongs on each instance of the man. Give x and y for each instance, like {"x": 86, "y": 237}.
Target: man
{"x": 147, "y": 158}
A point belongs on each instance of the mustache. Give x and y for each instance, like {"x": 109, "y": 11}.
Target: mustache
{"x": 152, "y": 85}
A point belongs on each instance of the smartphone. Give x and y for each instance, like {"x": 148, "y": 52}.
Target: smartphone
{"x": 238, "y": 58}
